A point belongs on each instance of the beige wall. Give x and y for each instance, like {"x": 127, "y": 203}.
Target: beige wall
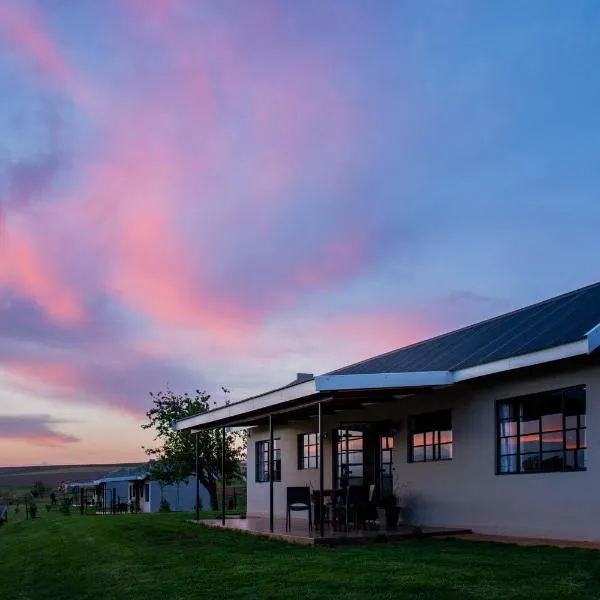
{"x": 466, "y": 492}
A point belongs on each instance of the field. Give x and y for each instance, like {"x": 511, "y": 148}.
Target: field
{"x": 162, "y": 556}
{"x": 20, "y": 479}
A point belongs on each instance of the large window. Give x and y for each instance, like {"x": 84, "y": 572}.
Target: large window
{"x": 308, "y": 451}
{"x": 430, "y": 437}
{"x": 542, "y": 432}
{"x": 262, "y": 461}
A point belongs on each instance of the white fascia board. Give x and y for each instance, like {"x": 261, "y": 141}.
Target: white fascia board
{"x": 524, "y": 360}
{"x": 373, "y": 381}
{"x": 118, "y": 479}
{"x": 238, "y": 409}
{"x": 593, "y": 338}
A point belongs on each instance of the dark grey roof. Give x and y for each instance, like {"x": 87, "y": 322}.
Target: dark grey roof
{"x": 126, "y": 472}
{"x": 566, "y": 318}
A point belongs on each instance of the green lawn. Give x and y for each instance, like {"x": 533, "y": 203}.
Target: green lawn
{"x": 162, "y": 556}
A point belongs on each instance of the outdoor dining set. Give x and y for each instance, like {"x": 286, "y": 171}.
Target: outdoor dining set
{"x": 342, "y": 508}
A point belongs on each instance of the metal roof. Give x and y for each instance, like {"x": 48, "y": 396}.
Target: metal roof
{"x": 124, "y": 474}
{"x": 554, "y": 322}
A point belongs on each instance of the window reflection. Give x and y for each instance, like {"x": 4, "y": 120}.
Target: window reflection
{"x": 431, "y": 437}
{"x": 549, "y": 434}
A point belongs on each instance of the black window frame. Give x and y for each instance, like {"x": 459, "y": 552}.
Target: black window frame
{"x": 308, "y": 450}
{"x": 386, "y": 463}
{"x": 261, "y": 461}
{"x": 346, "y": 453}
{"x": 581, "y": 425}
{"x": 433, "y": 423}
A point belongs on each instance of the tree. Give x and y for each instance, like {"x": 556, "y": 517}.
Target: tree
{"x": 39, "y": 488}
{"x": 175, "y": 453}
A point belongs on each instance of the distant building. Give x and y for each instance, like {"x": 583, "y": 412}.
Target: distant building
{"x": 135, "y": 488}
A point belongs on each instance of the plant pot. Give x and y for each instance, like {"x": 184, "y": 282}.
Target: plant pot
{"x": 388, "y": 516}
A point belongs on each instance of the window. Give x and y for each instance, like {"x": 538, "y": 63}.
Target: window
{"x": 147, "y": 492}
{"x": 308, "y": 451}
{"x": 542, "y": 432}
{"x": 262, "y": 461}
{"x": 386, "y": 447}
{"x": 430, "y": 437}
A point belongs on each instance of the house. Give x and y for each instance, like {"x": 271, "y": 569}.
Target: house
{"x": 113, "y": 488}
{"x": 135, "y": 488}
{"x": 494, "y": 427}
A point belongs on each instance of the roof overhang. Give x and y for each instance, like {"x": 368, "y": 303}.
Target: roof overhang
{"x": 233, "y": 413}
{"x": 593, "y": 338}
{"x": 373, "y": 381}
{"x": 120, "y": 478}
{"x": 325, "y": 387}
{"x": 579, "y": 348}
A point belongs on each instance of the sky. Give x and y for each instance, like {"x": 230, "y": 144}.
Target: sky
{"x": 206, "y": 194}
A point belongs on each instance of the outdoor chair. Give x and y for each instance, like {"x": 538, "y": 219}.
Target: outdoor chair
{"x": 298, "y": 499}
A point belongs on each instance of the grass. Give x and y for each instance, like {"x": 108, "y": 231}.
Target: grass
{"x": 164, "y": 557}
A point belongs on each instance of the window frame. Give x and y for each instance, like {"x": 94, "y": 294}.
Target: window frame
{"x": 518, "y": 435}
{"x": 259, "y": 460}
{"x": 303, "y": 445}
{"x": 436, "y": 438}
{"x": 345, "y": 455}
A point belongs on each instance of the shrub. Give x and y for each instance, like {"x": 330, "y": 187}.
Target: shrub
{"x": 39, "y": 488}
{"x": 33, "y": 510}
{"x": 65, "y": 506}
{"x": 164, "y": 506}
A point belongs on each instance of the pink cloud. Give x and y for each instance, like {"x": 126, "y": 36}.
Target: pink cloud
{"x": 184, "y": 203}
{"x": 26, "y": 34}
{"x": 133, "y": 196}
{"x": 26, "y": 269}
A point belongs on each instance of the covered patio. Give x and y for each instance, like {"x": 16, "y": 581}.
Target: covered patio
{"x": 301, "y": 402}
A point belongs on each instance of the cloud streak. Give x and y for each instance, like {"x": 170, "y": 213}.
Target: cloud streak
{"x": 33, "y": 429}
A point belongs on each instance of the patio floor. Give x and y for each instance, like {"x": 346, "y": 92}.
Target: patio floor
{"x": 300, "y": 534}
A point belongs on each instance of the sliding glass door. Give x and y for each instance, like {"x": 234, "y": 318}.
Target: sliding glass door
{"x": 365, "y": 450}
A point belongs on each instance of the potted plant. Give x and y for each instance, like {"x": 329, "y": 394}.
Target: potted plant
{"x": 388, "y": 511}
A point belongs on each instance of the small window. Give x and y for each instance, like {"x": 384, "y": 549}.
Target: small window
{"x": 542, "y": 432}
{"x": 430, "y": 437}
{"x": 262, "y": 461}
{"x": 308, "y": 451}
{"x": 147, "y": 492}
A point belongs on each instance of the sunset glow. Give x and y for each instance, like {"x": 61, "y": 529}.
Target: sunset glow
{"x": 199, "y": 194}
